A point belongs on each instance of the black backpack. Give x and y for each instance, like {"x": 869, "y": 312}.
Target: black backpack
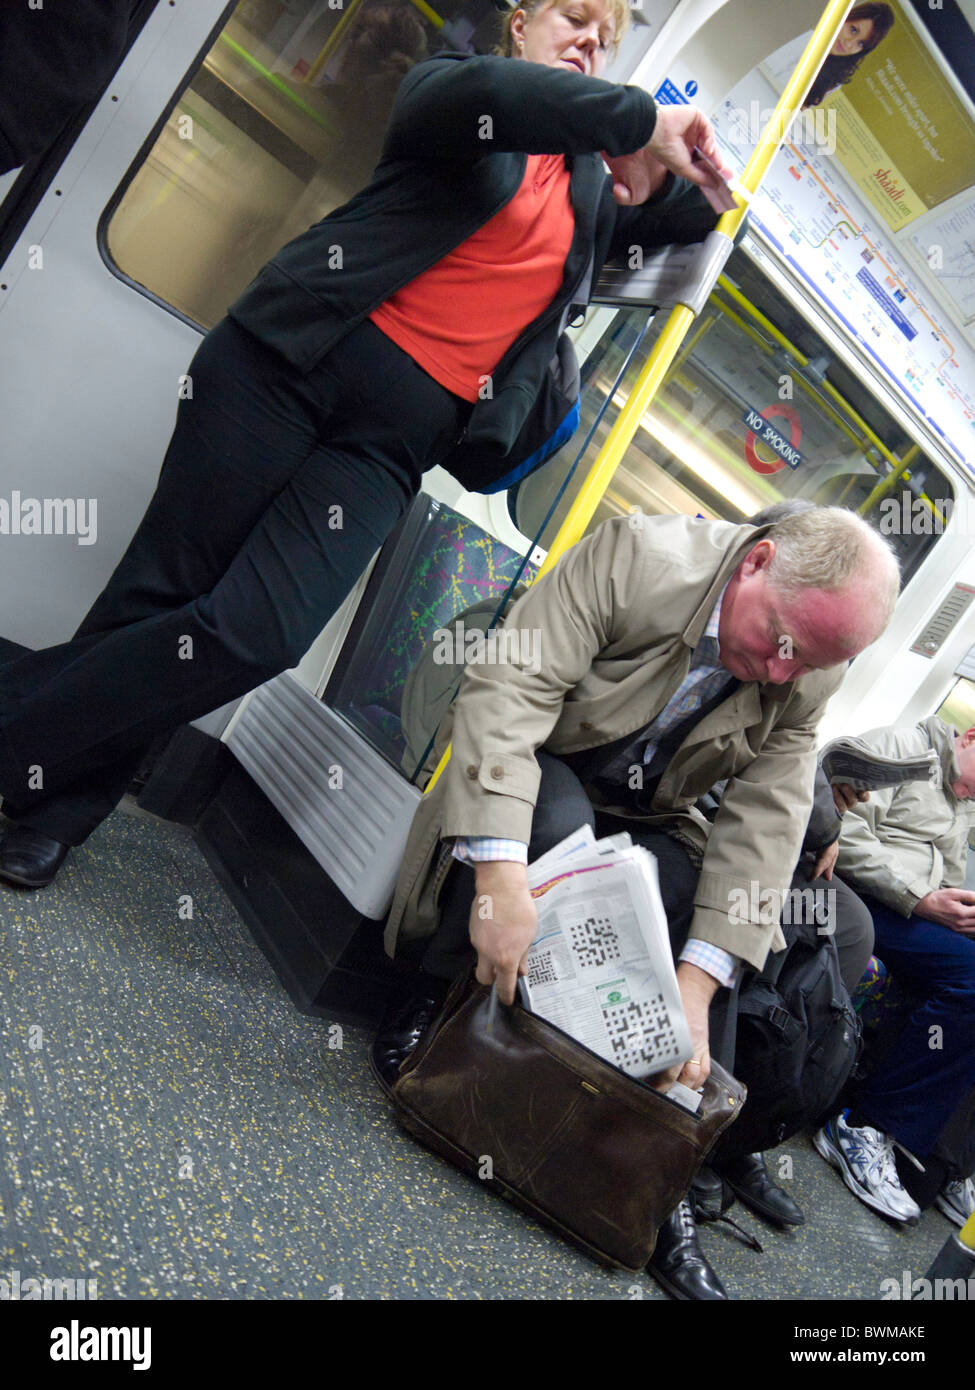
{"x": 798, "y": 1040}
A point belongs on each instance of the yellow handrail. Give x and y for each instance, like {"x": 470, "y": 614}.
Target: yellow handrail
{"x": 338, "y": 33}
{"x": 804, "y": 385}
{"x": 428, "y": 13}
{"x": 332, "y": 42}
{"x": 967, "y": 1233}
{"x": 899, "y": 466}
{"x": 668, "y": 344}
{"x": 803, "y": 361}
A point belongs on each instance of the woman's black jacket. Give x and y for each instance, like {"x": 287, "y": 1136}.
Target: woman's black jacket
{"x": 455, "y": 152}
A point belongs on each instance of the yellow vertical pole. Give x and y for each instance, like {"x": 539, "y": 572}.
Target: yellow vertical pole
{"x": 333, "y": 41}
{"x": 967, "y": 1234}
{"x": 954, "y": 1261}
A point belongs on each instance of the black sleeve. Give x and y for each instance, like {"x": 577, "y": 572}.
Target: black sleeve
{"x": 53, "y": 60}
{"x": 457, "y": 106}
{"x": 824, "y": 819}
{"x": 677, "y": 212}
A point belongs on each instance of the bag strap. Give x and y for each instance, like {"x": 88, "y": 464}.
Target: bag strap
{"x": 726, "y": 1038}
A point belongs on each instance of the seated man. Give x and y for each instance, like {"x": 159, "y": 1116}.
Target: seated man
{"x": 904, "y": 850}
{"x": 674, "y": 653}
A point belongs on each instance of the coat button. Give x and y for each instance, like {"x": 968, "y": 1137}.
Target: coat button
{"x": 472, "y": 773}
{"x": 497, "y": 772}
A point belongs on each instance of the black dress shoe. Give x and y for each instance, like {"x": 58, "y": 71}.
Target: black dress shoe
{"x": 412, "y": 1008}
{"x": 679, "y": 1265}
{"x": 748, "y": 1178}
{"x": 29, "y": 858}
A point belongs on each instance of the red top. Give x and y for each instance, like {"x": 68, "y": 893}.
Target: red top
{"x": 458, "y": 319}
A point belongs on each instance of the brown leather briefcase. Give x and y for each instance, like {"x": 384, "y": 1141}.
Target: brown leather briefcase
{"x": 570, "y": 1138}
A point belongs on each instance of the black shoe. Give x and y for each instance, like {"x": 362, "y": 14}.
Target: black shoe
{"x": 679, "y": 1265}
{"x": 412, "y": 1008}
{"x": 29, "y": 858}
{"x": 749, "y": 1180}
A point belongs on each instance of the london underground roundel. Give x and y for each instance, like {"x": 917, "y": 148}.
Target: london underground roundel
{"x": 760, "y": 435}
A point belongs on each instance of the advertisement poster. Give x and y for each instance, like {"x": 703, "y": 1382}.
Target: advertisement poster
{"x": 871, "y": 203}
{"x": 903, "y": 137}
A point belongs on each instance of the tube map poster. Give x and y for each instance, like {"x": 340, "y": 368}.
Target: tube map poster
{"x": 871, "y": 204}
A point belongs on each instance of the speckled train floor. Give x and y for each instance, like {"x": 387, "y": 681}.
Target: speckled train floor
{"x": 173, "y": 1128}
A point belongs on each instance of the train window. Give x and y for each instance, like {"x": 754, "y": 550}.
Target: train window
{"x": 282, "y": 123}
{"x": 754, "y": 410}
{"x": 959, "y": 706}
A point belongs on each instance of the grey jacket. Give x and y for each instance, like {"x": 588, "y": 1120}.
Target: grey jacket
{"x": 907, "y": 841}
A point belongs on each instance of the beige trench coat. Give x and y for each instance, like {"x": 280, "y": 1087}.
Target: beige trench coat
{"x": 615, "y": 624}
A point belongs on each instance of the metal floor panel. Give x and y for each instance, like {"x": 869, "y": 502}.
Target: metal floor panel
{"x": 173, "y": 1128}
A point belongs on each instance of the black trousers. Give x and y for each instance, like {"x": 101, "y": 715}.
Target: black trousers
{"x": 850, "y": 919}
{"x": 276, "y": 490}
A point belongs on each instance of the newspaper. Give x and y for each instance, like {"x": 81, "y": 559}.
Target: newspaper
{"x": 601, "y": 967}
{"x": 851, "y": 761}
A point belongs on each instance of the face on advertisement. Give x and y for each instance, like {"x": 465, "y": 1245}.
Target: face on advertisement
{"x": 853, "y": 36}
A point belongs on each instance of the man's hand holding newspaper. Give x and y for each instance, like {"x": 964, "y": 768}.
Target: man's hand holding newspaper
{"x": 585, "y": 926}
{"x": 697, "y": 989}
{"x": 504, "y": 920}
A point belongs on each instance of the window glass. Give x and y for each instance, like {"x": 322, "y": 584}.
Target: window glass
{"x": 282, "y": 123}
{"x": 750, "y": 370}
{"x": 436, "y": 589}
{"x": 959, "y": 708}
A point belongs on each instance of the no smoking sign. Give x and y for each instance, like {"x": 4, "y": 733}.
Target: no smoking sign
{"x": 761, "y": 430}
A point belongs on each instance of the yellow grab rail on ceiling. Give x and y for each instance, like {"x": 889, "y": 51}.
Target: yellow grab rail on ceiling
{"x": 668, "y": 344}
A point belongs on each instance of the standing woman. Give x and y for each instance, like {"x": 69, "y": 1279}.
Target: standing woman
{"x": 426, "y": 308}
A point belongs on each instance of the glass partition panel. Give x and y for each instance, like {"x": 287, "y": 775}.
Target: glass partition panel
{"x": 404, "y": 657}
{"x": 754, "y": 410}
{"x": 959, "y": 706}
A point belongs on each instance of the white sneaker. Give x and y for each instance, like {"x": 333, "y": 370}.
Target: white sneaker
{"x": 865, "y": 1159}
{"x": 957, "y": 1200}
